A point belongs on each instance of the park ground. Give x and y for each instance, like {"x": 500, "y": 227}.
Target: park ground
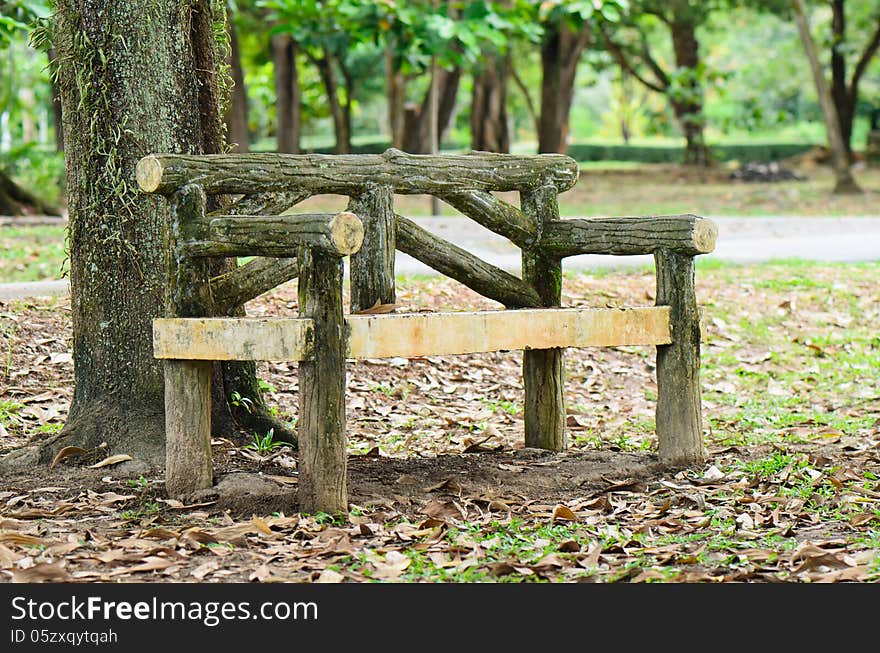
{"x": 441, "y": 487}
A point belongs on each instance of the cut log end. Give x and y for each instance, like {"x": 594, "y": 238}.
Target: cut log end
{"x": 149, "y": 173}
{"x": 346, "y": 232}
{"x": 705, "y": 235}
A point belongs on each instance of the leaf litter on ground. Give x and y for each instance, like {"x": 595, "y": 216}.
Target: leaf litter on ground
{"x": 443, "y": 490}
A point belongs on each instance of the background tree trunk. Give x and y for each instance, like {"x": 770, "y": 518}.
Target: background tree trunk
{"x": 237, "y": 116}
{"x": 341, "y": 126}
{"x": 687, "y": 102}
{"x": 417, "y": 138}
{"x": 560, "y": 55}
{"x": 287, "y": 94}
{"x": 844, "y": 181}
{"x": 15, "y": 200}
{"x": 395, "y": 94}
{"x": 839, "y": 86}
{"x": 489, "y": 129}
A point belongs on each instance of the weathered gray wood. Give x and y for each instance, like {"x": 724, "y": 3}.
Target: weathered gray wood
{"x": 495, "y": 214}
{"x": 339, "y": 234}
{"x": 264, "y": 203}
{"x": 461, "y": 265}
{"x": 234, "y": 338}
{"x": 186, "y": 290}
{"x": 683, "y": 234}
{"x": 188, "y": 461}
{"x": 371, "y": 269}
{"x": 250, "y": 280}
{"x": 322, "y": 439}
{"x": 413, "y": 334}
{"x": 543, "y": 369}
{"x": 679, "y": 422}
{"x": 350, "y": 174}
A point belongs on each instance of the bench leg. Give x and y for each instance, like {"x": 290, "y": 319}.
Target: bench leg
{"x": 679, "y": 413}
{"x": 543, "y": 369}
{"x": 322, "y": 440}
{"x": 188, "y": 463}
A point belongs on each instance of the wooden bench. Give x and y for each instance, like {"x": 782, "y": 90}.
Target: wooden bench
{"x": 312, "y": 246}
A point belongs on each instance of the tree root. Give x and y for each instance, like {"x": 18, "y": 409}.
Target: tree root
{"x": 101, "y": 429}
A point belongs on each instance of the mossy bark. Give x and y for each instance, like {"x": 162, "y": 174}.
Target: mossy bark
{"x": 135, "y": 76}
{"x": 127, "y": 87}
{"x": 543, "y": 369}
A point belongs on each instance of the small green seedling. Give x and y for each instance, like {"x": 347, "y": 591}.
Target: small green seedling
{"x": 266, "y": 444}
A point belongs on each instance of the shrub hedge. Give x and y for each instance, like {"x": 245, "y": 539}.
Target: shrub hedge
{"x": 745, "y": 152}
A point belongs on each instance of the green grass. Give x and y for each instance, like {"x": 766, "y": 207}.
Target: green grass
{"x": 32, "y": 253}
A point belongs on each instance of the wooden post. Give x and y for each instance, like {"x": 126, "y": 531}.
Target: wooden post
{"x": 372, "y": 268}
{"x": 543, "y": 369}
{"x": 188, "y": 462}
{"x": 679, "y": 416}
{"x": 322, "y": 441}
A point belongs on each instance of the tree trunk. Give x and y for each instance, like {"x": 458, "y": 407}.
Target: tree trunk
{"x": 687, "y": 102}
{"x": 15, "y": 200}
{"x": 136, "y": 76}
{"x": 395, "y": 94}
{"x": 237, "y": 116}
{"x": 489, "y": 129}
{"x": 128, "y": 87}
{"x": 417, "y": 139}
{"x": 844, "y": 104}
{"x": 287, "y": 94}
{"x": 560, "y": 55}
{"x": 327, "y": 72}
{"x": 844, "y": 181}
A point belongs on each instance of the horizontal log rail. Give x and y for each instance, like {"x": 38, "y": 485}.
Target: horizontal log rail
{"x": 350, "y": 174}
{"x": 683, "y": 234}
{"x": 412, "y": 334}
{"x": 339, "y": 234}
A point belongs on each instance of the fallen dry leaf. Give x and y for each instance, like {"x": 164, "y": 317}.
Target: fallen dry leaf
{"x": 562, "y": 513}
{"x": 151, "y": 563}
{"x": 443, "y": 510}
{"x": 392, "y": 567}
{"x": 42, "y": 572}
{"x": 376, "y": 309}
{"x": 20, "y": 539}
{"x": 111, "y": 460}
{"x": 66, "y": 452}
{"x": 330, "y": 576}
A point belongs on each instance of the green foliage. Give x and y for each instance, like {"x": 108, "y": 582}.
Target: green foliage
{"x": 18, "y": 17}
{"x": 237, "y": 401}
{"x": 760, "y": 152}
{"x": 266, "y": 444}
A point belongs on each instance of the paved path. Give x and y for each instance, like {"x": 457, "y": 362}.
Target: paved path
{"x": 740, "y": 240}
